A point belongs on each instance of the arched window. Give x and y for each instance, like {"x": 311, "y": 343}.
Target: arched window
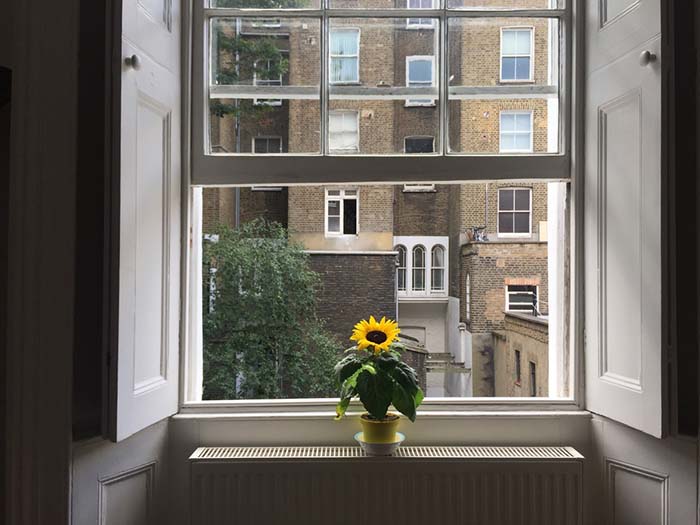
{"x": 401, "y": 268}
{"x": 418, "y": 268}
{"x": 437, "y": 269}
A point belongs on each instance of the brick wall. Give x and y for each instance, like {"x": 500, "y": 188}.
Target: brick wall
{"x": 421, "y": 213}
{"x": 354, "y": 287}
{"x": 218, "y": 208}
{"x": 491, "y": 267}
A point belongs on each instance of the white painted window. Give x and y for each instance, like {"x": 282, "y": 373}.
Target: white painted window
{"x": 420, "y": 23}
{"x": 514, "y": 212}
{"x": 344, "y": 131}
{"x": 268, "y": 23}
{"x": 342, "y": 212}
{"x": 418, "y": 268}
{"x": 437, "y": 269}
{"x": 521, "y": 298}
{"x": 401, "y": 268}
{"x": 468, "y": 298}
{"x": 516, "y": 132}
{"x": 262, "y": 77}
{"x": 345, "y": 56}
{"x": 419, "y": 188}
{"x": 516, "y": 54}
{"x": 267, "y": 144}
{"x": 420, "y": 73}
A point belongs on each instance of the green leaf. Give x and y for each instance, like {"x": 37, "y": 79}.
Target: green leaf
{"x": 387, "y": 360}
{"x": 375, "y": 392}
{"x": 345, "y": 398}
{"x": 404, "y": 402}
{"x": 418, "y": 397}
{"x": 405, "y": 376}
{"x": 351, "y": 381}
{"x": 347, "y": 367}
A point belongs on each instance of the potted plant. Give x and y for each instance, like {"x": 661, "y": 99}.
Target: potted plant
{"x": 374, "y": 371}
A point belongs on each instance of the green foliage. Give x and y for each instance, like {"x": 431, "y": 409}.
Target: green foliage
{"x": 379, "y": 380}
{"x": 262, "y": 338}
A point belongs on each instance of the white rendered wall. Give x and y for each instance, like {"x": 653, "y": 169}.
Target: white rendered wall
{"x": 431, "y": 316}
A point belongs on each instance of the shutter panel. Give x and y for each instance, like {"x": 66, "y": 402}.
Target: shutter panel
{"x": 145, "y": 373}
{"x": 623, "y": 215}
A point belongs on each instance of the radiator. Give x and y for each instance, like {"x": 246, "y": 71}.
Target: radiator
{"x": 421, "y": 485}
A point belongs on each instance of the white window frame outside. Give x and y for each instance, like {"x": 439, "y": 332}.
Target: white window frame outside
{"x": 420, "y": 23}
{"x": 421, "y": 83}
{"x": 323, "y": 169}
{"x": 356, "y": 80}
{"x": 428, "y": 242}
{"x": 468, "y": 298}
{"x": 267, "y": 82}
{"x": 509, "y": 293}
{"x": 531, "y": 132}
{"x": 266, "y": 137}
{"x": 341, "y": 197}
{"x": 354, "y": 112}
{"x": 513, "y": 235}
{"x": 269, "y": 23}
{"x": 419, "y": 188}
{"x": 399, "y": 248}
{"x": 434, "y": 267}
{"x": 531, "y": 74}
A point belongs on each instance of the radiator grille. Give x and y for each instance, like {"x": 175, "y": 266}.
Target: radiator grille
{"x": 423, "y": 452}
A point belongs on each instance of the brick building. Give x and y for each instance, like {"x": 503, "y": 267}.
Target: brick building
{"x": 416, "y": 252}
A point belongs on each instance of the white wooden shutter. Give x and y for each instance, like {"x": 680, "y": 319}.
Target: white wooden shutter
{"x": 623, "y": 249}
{"x": 149, "y": 237}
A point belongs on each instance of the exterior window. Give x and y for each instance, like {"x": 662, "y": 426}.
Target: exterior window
{"x": 262, "y": 76}
{"x": 419, "y": 144}
{"x": 418, "y": 272}
{"x": 516, "y": 55}
{"x": 516, "y": 132}
{"x": 437, "y": 269}
{"x": 518, "y": 368}
{"x": 344, "y": 136}
{"x": 345, "y": 56}
{"x": 269, "y": 23}
{"x": 420, "y": 72}
{"x": 533, "y": 379}
{"x": 521, "y": 298}
{"x": 514, "y": 212}
{"x": 267, "y": 144}
{"x": 419, "y": 23}
{"x": 401, "y": 269}
{"x": 468, "y": 299}
{"x": 419, "y": 188}
{"x": 341, "y": 212}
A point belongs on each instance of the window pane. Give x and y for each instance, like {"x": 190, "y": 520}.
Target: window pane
{"x": 522, "y": 222}
{"x": 419, "y": 145}
{"x": 420, "y": 70}
{"x": 350, "y": 216}
{"x": 504, "y": 4}
{"x": 266, "y": 4}
{"x": 522, "y": 199}
{"x": 259, "y": 87}
{"x": 505, "y": 222}
{"x": 494, "y": 71}
{"x": 280, "y": 280}
{"x": 505, "y": 199}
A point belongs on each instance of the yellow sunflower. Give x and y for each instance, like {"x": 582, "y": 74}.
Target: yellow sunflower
{"x": 379, "y": 334}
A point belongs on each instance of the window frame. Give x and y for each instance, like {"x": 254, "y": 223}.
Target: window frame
{"x": 267, "y": 137}
{"x": 399, "y": 248}
{"x": 516, "y": 112}
{"x": 205, "y": 169}
{"x": 225, "y": 168}
{"x": 272, "y": 102}
{"x": 507, "y": 307}
{"x": 341, "y": 198}
{"x": 513, "y": 235}
{"x": 442, "y": 268}
{"x": 420, "y": 103}
{"x": 531, "y": 72}
{"x": 420, "y": 24}
{"x": 358, "y": 33}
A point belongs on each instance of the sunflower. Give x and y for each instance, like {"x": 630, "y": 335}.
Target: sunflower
{"x": 379, "y": 334}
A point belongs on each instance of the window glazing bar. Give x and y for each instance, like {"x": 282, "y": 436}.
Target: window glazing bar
{"x": 229, "y": 12}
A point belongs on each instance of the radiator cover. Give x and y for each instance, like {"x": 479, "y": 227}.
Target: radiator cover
{"x": 421, "y": 485}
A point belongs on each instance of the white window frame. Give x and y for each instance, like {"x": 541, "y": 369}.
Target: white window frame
{"x": 275, "y": 102}
{"x": 399, "y": 248}
{"x": 410, "y": 103}
{"x": 354, "y": 112}
{"x": 417, "y": 22}
{"x": 442, "y": 268}
{"x": 513, "y": 235}
{"x": 423, "y": 269}
{"x": 531, "y": 132}
{"x": 509, "y": 293}
{"x": 324, "y": 169}
{"x": 356, "y": 80}
{"x": 266, "y": 137}
{"x": 341, "y": 197}
{"x": 269, "y": 23}
{"x": 419, "y": 188}
{"x": 468, "y": 298}
{"x": 428, "y": 242}
{"x": 531, "y": 74}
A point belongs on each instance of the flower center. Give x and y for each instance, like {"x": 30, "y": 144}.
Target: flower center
{"x": 376, "y": 337}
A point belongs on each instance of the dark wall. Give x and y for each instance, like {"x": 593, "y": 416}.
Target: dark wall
{"x": 5, "y": 105}
{"x": 354, "y": 287}
{"x": 422, "y": 213}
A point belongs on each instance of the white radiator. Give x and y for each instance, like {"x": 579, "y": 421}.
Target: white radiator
{"x": 421, "y": 485}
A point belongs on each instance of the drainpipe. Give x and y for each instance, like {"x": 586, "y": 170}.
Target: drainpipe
{"x": 486, "y": 208}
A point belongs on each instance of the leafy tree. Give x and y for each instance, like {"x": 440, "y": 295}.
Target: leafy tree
{"x": 262, "y": 338}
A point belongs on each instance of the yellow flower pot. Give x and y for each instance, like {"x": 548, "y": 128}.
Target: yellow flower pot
{"x": 379, "y": 430}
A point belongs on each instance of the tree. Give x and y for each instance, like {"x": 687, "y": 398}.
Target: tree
{"x": 262, "y": 337}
